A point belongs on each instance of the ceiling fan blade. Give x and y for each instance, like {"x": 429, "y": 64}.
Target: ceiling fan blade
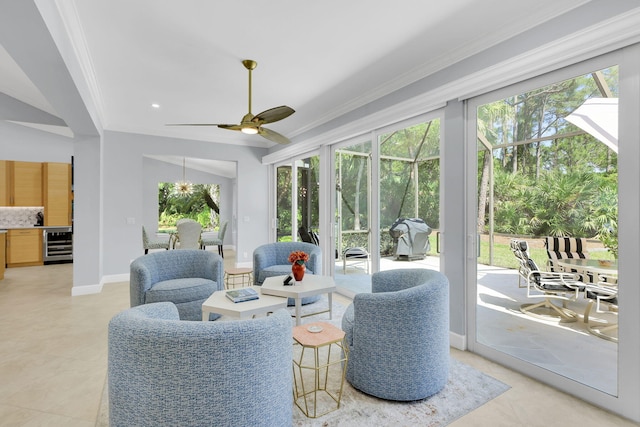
{"x": 273, "y": 136}
{"x": 274, "y": 114}
{"x": 192, "y": 124}
{"x": 230, "y": 127}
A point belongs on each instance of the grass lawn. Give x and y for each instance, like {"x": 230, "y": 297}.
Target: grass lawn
{"x": 503, "y": 257}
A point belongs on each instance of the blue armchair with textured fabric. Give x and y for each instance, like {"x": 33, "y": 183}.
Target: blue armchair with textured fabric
{"x": 272, "y": 259}
{"x": 166, "y": 372}
{"x": 186, "y": 278}
{"x": 398, "y": 335}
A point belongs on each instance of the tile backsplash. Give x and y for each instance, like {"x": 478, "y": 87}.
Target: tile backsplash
{"x": 18, "y": 216}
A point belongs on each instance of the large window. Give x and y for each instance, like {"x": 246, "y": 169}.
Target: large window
{"x": 201, "y": 203}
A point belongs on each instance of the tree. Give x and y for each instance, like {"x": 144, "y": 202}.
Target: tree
{"x": 546, "y": 183}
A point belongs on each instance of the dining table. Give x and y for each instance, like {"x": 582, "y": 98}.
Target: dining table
{"x": 595, "y": 266}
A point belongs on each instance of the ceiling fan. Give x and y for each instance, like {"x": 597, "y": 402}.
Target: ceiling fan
{"x": 251, "y": 124}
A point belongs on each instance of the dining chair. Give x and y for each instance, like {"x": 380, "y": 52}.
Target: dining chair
{"x": 150, "y": 243}
{"x": 188, "y": 234}
{"x": 218, "y": 240}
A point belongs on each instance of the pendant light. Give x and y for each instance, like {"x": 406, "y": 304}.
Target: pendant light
{"x": 184, "y": 187}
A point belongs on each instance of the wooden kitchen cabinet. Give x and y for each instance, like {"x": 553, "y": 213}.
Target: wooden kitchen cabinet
{"x": 27, "y": 184}
{"x": 20, "y": 183}
{"x": 56, "y": 188}
{"x": 24, "y": 247}
{"x": 3, "y": 259}
{"x": 4, "y": 183}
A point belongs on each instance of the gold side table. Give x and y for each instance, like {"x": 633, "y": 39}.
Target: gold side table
{"x": 319, "y": 366}
{"x": 242, "y": 277}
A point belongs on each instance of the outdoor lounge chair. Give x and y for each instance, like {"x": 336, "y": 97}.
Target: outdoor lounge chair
{"x": 602, "y": 293}
{"x": 564, "y": 248}
{"x": 548, "y": 286}
{"x": 520, "y": 249}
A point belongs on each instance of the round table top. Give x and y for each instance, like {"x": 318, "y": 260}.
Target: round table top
{"x": 234, "y": 271}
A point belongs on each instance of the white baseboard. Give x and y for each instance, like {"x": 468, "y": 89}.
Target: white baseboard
{"x": 96, "y": 289}
{"x": 114, "y": 278}
{"x": 458, "y": 341}
{"x": 86, "y": 290}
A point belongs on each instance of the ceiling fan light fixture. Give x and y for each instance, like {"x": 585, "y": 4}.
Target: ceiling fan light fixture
{"x": 249, "y": 130}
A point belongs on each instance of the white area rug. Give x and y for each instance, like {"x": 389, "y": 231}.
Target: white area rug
{"x": 466, "y": 390}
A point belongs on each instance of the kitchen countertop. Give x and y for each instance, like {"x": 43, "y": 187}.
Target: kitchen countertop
{"x": 5, "y": 228}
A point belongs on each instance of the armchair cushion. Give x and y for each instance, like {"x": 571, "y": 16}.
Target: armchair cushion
{"x": 180, "y": 290}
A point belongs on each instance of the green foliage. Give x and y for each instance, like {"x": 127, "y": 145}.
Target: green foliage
{"x": 172, "y": 206}
{"x": 408, "y": 155}
{"x": 578, "y": 204}
{"x": 558, "y": 186}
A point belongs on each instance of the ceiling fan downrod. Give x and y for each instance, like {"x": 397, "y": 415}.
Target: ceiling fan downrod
{"x": 250, "y": 65}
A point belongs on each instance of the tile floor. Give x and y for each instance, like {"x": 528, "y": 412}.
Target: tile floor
{"x": 53, "y": 360}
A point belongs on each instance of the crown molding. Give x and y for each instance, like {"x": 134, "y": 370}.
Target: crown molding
{"x": 604, "y": 37}
{"x": 75, "y": 34}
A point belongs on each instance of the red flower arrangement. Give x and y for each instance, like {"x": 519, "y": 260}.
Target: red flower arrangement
{"x": 298, "y": 257}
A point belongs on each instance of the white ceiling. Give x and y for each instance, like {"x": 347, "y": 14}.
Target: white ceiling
{"x": 323, "y": 59}
{"x": 220, "y": 167}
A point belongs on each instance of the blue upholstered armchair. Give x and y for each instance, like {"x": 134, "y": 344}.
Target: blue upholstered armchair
{"x": 398, "y": 335}
{"x": 272, "y": 259}
{"x": 166, "y": 372}
{"x": 186, "y": 278}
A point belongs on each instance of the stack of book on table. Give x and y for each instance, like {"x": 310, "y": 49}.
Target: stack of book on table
{"x": 241, "y": 295}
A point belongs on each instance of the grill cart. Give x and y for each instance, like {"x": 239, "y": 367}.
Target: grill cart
{"x": 410, "y": 238}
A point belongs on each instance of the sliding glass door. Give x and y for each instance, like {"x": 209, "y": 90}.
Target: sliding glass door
{"x": 387, "y": 201}
{"x": 297, "y": 198}
{"x": 353, "y": 251}
{"x": 409, "y": 211}
{"x": 548, "y": 166}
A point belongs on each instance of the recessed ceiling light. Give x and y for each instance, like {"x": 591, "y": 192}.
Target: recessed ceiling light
{"x": 155, "y": 105}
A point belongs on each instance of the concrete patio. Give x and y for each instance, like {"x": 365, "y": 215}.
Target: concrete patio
{"x": 567, "y": 349}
